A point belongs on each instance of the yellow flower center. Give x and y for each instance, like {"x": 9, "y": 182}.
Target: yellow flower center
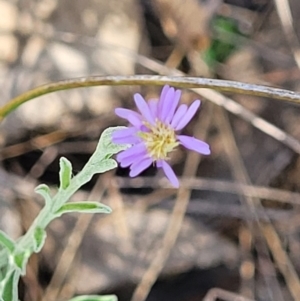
{"x": 160, "y": 140}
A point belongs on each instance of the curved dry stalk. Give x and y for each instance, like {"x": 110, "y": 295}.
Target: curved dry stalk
{"x": 180, "y": 82}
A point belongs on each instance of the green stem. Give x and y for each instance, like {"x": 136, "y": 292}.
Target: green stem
{"x": 42, "y": 220}
{"x": 47, "y": 214}
{"x": 180, "y": 82}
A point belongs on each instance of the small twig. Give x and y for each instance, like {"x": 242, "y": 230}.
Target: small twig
{"x": 251, "y": 205}
{"x": 286, "y": 19}
{"x": 262, "y": 192}
{"x": 217, "y": 293}
{"x": 283, "y": 261}
{"x": 280, "y": 255}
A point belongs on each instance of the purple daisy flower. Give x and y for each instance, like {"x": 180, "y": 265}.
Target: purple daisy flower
{"x": 153, "y": 133}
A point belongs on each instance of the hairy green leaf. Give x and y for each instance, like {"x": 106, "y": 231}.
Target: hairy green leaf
{"x": 7, "y": 242}
{"x": 10, "y": 287}
{"x": 39, "y": 238}
{"x": 106, "y": 148}
{"x": 21, "y": 259}
{"x": 83, "y": 207}
{"x": 101, "y": 160}
{"x": 44, "y": 191}
{"x": 65, "y": 172}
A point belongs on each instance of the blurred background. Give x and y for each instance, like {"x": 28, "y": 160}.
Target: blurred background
{"x": 233, "y": 229}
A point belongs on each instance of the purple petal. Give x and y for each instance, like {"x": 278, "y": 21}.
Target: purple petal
{"x": 162, "y": 97}
{"x": 194, "y": 144}
{"x": 132, "y": 117}
{"x": 126, "y": 136}
{"x": 135, "y": 120}
{"x": 134, "y": 150}
{"x": 189, "y": 115}
{"x": 123, "y": 113}
{"x": 163, "y": 93}
{"x": 131, "y": 159}
{"x": 169, "y": 172}
{"x": 173, "y": 106}
{"x": 159, "y": 163}
{"x": 166, "y": 104}
{"x": 153, "y": 106}
{"x": 139, "y": 166}
{"x": 182, "y": 109}
{"x": 143, "y": 108}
